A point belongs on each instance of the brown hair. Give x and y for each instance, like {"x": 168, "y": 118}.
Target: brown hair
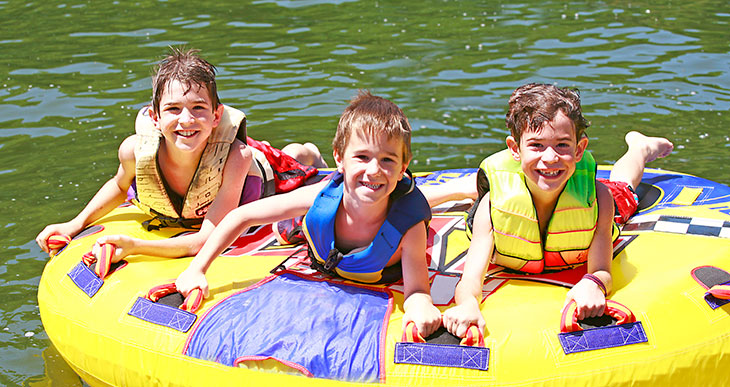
{"x": 533, "y": 105}
{"x": 372, "y": 115}
{"x": 187, "y": 68}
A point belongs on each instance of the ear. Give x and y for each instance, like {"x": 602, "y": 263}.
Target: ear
{"x": 217, "y": 115}
{"x": 155, "y": 118}
{"x": 514, "y": 147}
{"x": 338, "y": 161}
{"x": 403, "y": 170}
{"x": 581, "y": 147}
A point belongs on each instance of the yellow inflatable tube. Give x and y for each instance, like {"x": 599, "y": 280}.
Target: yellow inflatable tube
{"x": 667, "y": 257}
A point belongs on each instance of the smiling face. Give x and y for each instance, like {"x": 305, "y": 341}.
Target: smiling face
{"x": 372, "y": 165}
{"x": 186, "y": 116}
{"x": 548, "y": 156}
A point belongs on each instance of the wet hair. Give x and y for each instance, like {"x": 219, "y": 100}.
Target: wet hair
{"x": 189, "y": 69}
{"x": 533, "y": 105}
{"x": 371, "y": 115}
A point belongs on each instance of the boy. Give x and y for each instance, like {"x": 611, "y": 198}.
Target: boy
{"x": 366, "y": 197}
{"x": 186, "y": 164}
{"x": 545, "y": 209}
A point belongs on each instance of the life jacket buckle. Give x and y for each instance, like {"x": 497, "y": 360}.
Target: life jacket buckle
{"x": 333, "y": 259}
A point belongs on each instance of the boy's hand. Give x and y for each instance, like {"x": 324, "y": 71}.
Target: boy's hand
{"x": 124, "y": 245}
{"x": 422, "y": 312}
{"x": 458, "y": 319}
{"x": 191, "y": 279}
{"x": 589, "y": 299}
{"x": 67, "y": 228}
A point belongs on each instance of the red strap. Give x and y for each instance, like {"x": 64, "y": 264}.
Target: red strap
{"x": 104, "y": 260}
{"x": 720, "y": 291}
{"x": 190, "y": 304}
{"x": 474, "y": 337}
{"x": 411, "y": 335}
{"x": 569, "y": 319}
{"x": 56, "y": 241}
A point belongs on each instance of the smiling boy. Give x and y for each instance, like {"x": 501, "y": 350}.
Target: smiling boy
{"x": 187, "y": 164}
{"x": 541, "y": 207}
{"x": 359, "y": 223}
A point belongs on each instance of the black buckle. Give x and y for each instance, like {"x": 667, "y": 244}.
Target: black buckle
{"x": 333, "y": 259}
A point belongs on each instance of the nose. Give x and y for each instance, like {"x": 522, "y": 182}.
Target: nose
{"x": 549, "y": 155}
{"x": 186, "y": 116}
{"x": 373, "y": 167}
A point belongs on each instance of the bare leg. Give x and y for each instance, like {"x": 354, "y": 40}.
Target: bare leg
{"x": 642, "y": 150}
{"x": 307, "y": 154}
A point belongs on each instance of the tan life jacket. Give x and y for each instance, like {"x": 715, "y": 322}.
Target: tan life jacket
{"x": 153, "y": 198}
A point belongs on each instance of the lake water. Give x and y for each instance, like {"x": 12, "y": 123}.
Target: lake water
{"x": 74, "y": 73}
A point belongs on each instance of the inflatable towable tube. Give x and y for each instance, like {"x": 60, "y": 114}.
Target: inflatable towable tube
{"x": 272, "y": 319}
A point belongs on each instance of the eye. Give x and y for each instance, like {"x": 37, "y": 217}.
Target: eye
{"x": 172, "y": 109}
{"x": 362, "y": 157}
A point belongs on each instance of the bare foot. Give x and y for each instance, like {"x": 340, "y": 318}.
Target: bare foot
{"x": 651, "y": 147}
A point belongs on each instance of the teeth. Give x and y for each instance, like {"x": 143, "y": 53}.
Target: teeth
{"x": 371, "y": 186}
{"x": 186, "y": 133}
{"x": 549, "y": 174}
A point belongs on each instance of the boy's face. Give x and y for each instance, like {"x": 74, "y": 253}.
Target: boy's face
{"x": 548, "y": 156}
{"x": 372, "y": 166}
{"x": 186, "y": 119}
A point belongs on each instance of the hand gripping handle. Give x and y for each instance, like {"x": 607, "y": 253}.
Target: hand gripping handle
{"x": 103, "y": 259}
{"x": 190, "y": 304}
{"x": 569, "y": 320}
{"x": 474, "y": 336}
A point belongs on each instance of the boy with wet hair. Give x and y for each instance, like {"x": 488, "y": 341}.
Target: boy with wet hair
{"x": 186, "y": 165}
{"x": 366, "y": 218}
{"x": 541, "y": 207}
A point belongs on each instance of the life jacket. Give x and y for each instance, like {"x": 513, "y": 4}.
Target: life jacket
{"x": 152, "y": 196}
{"x": 408, "y": 207}
{"x": 517, "y": 240}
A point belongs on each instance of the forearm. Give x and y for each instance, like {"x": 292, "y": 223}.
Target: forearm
{"x": 223, "y": 236}
{"x": 468, "y": 291}
{"x": 109, "y": 196}
{"x": 182, "y": 246}
{"x": 605, "y": 277}
{"x": 456, "y": 189}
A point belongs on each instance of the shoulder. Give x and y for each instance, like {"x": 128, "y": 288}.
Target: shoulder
{"x": 126, "y": 148}
{"x": 239, "y": 152}
{"x": 605, "y": 202}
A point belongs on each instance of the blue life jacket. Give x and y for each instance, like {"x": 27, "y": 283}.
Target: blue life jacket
{"x": 408, "y": 207}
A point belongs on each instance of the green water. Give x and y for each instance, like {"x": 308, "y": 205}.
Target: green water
{"x": 73, "y": 74}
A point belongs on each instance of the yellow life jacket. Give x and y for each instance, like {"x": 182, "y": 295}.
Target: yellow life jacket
{"x": 153, "y": 198}
{"x": 517, "y": 240}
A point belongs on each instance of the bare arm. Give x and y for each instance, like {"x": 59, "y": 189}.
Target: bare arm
{"x": 464, "y": 187}
{"x": 110, "y": 195}
{"x": 263, "y": 211}
{"x": 234, "y": 175}
{"x": 468, "y": 293}
{"x": 588, "y": 296}
{"x": 418, "y": 304}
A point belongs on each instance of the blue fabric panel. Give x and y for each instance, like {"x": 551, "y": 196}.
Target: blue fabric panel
{"x": 602, "y": 337}
{"x": 164, "y": 315}
{"x": 715, "y": 302}
{"x": 332, "y": 330}
{"x": 85, "y": 279}
{"x": 442, "y": 355}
